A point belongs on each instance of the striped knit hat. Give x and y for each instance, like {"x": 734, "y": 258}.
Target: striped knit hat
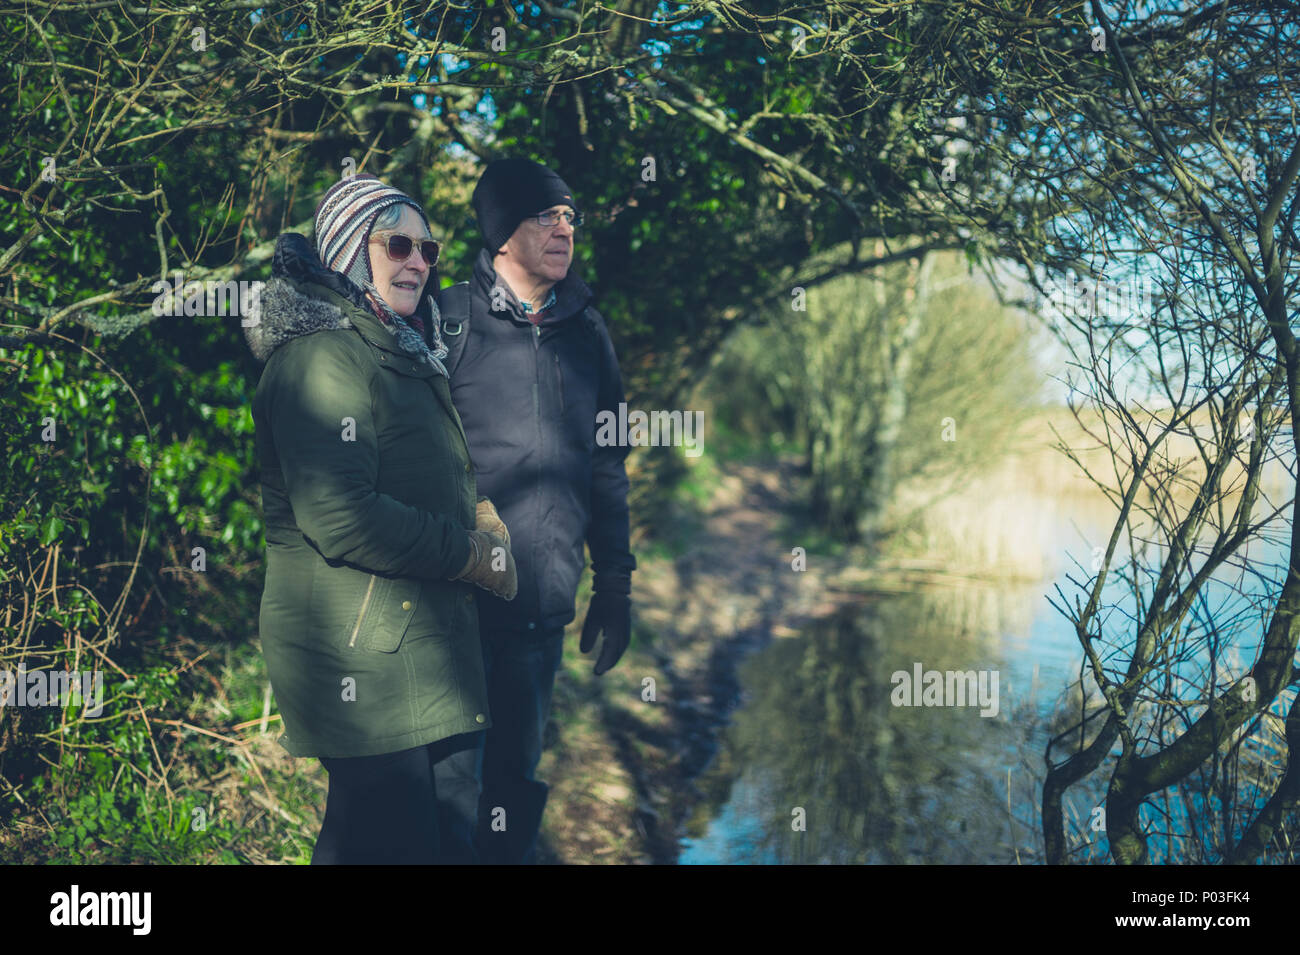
{"x": 344, "y": 218}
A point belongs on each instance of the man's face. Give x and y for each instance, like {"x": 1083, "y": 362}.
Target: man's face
{"x": 543, "y": 253}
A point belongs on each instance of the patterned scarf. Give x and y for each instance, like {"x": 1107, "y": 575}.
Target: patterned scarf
{"x": 409, "y": 332}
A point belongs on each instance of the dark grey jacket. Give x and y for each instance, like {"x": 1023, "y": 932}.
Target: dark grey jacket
{"x": 528, "y": 398}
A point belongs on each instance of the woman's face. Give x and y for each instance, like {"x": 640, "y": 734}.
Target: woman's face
{"x": 400, "y": 283}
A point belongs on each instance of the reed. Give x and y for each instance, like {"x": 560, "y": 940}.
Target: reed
{"x": 1017, "y": 519}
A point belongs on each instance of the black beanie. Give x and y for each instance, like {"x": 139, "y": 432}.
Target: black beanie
{"x": 511, "y": 190}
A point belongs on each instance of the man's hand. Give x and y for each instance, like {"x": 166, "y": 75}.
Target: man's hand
{"x": 612, "y": 613}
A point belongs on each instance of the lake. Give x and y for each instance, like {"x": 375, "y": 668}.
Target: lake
{"x": 822, "y": 762}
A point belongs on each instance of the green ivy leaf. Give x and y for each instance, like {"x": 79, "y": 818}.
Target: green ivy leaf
{"x": 50, "y": 530}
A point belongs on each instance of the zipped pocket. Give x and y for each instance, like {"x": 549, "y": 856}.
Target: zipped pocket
{"x": 365, "y": 602}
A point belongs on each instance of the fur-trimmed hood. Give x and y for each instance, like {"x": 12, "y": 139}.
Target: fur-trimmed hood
{"x": 293, "y": 302}
{"x": 283, "y": 312}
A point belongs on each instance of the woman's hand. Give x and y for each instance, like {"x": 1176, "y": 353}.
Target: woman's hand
{"x": 490, "y": 565}
{"x": 486, "y": 519}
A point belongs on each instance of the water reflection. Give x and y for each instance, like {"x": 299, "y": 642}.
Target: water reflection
{"x": 875, "y": 782}
{"x": 817, "y": 737}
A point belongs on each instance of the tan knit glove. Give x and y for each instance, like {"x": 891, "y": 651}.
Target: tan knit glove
{"x": 487, "y": 519}
{"x": 486, "y": 553}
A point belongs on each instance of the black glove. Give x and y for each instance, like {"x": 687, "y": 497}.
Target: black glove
{"x": 611, "y": 612}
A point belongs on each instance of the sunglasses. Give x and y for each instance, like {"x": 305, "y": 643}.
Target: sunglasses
{"x": 399, "y": 246}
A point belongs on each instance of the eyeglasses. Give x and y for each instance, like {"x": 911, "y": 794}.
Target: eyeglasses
{"x": 550, "y": 219}
{"x": 399, "y": 246}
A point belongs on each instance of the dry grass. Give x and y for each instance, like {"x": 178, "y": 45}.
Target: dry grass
{"x": 1008, "y": 522}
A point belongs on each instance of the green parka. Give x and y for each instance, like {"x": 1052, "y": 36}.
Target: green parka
{"x": 367, "y": 491}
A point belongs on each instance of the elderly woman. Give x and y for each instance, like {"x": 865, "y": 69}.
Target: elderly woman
{"x": 374, "y": 538}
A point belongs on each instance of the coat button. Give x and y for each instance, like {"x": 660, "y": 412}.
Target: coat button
{"x": 480, "y": 718}
{"x": 469, "y": 598}
{"x": 415, "y": 368}
{"x": 383, "y": 358}
{"x": 532, "y": 625}
{"x": 467, "y": 467}
{"x": 406, "y": 605}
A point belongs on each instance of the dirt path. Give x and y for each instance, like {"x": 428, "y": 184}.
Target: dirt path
{"x": 622, "y": 778}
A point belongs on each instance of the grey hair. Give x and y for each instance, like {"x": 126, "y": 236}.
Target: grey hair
{"x": 389, "y": 216}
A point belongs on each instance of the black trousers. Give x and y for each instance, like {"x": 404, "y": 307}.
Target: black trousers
{"x": 520, "y": 670}
{"x": 414, "y": 807}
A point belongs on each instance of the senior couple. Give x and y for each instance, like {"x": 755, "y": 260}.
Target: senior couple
{"x": 429, "y": 475}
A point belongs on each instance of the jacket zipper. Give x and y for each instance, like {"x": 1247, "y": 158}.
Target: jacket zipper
{"x": 460, "y": 426}
{"x": 559, "y": 378}
{"x": 352, "y": 640}
{"x": 541, "y": 451}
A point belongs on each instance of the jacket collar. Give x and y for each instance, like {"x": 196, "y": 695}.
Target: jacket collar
{"x": 572, "y": 294}
{"x": 303, "y": 297}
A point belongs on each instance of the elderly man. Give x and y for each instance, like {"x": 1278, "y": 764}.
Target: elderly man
{"x": 531, "y": 366}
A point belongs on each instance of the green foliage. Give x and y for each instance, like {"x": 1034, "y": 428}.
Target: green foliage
{"x": 154, "y": 468}
{"x": 102, "y": 827}
{"x": 865, "y": 378}
{"x": 775, "y": 169}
